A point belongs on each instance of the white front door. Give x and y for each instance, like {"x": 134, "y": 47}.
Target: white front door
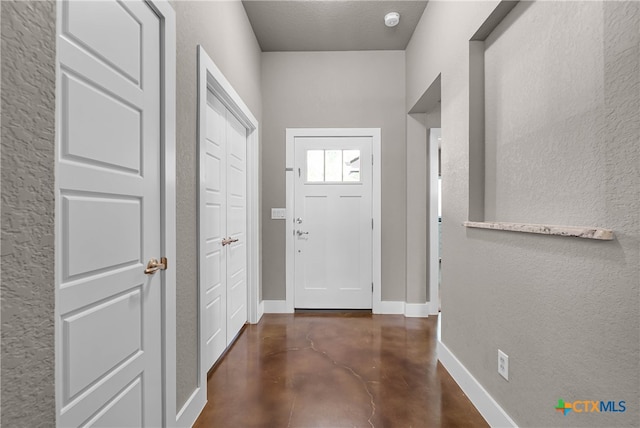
{"x": 108, "y": 225}
{"x": 223, "y": 224}
{"x": 333, "y": 222}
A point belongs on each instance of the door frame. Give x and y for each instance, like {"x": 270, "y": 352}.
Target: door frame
{"x": 433, "y": 146}
{"x": 210, "y": 78}
{"x": 291, "y": 135}
{"x": 166, "y": 15}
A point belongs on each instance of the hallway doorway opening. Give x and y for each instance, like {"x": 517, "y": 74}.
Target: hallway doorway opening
{"x": 424, "y": 121}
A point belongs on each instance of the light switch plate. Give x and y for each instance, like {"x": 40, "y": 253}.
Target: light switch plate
{"x": 278, "y": 213}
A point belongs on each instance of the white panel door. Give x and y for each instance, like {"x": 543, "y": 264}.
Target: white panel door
{"x": 333, "y": 223}
{"x": 108, "y": 337}
{"x": 223, "y": 217}
{"x": 236, "y": 226}
{"x": 213, "y": 226}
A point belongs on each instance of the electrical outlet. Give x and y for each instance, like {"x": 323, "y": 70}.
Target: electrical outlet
{"x": 503, "y": 364}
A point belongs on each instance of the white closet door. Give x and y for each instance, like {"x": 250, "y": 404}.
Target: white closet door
{"x": 236, "y": 226}
{"x": 213, "y": 229}
{"x": 223, "y": 217}
{"x": 108, "y": 355}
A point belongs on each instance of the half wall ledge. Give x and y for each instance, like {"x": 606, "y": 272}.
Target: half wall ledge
{"x": 545, "y": 229}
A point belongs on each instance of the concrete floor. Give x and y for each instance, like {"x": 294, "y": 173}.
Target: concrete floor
{"x": 335, "y": 370}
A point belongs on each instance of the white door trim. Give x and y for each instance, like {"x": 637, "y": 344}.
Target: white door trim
{"x": 210, "y": 78}
{"x": 291, "y": 135}
{"x": 434, "y": 235}
{"x": 168, "y": 199}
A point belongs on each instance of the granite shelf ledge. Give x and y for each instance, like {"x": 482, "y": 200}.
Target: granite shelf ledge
{"x": 545, "y": 229}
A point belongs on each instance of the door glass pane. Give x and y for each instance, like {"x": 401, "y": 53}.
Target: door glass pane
{"x": 333, "y": 165}
{"x": 315, "y": 165}
{"x": 351, "y": 165}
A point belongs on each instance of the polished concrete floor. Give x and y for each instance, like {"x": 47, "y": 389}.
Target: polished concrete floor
{"x": 335, "y": 370}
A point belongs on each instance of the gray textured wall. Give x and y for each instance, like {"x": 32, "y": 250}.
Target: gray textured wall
{"x": 27, "y": 135}
{"x": 335, "y": 90}
{"x": 563, "y": 103}
{"x": 223, "y": 29}
{"x": 546, "y": 134}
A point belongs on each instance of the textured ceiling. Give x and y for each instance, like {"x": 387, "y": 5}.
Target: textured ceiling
{"x": 338, "y": 25}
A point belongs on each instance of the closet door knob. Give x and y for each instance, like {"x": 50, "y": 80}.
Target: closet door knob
{"x": 229, "y": 241}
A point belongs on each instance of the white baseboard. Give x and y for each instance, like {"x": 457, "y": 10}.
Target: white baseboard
{"x": 275, "y": 307}
{"x": 260, "y": 311}
{"x": 388, "y": 308}
{"x": 434, "y": 308}
{"x": 187, "y": 416}
{"x": 486, "y": 405}
{"x": 416, "y": 310}
{"x": 411, "y": 310}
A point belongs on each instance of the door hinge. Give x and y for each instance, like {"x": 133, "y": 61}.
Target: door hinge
{"x": 371, "y": 159}
{"x": 372, "y": 287}
{"x": 372, "y": 224}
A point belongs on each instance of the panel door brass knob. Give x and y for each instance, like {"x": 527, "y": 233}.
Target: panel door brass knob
{"x": 154, "y": 265}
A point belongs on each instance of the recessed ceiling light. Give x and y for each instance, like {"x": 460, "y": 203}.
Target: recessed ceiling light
{"x": 391, "y": 19}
